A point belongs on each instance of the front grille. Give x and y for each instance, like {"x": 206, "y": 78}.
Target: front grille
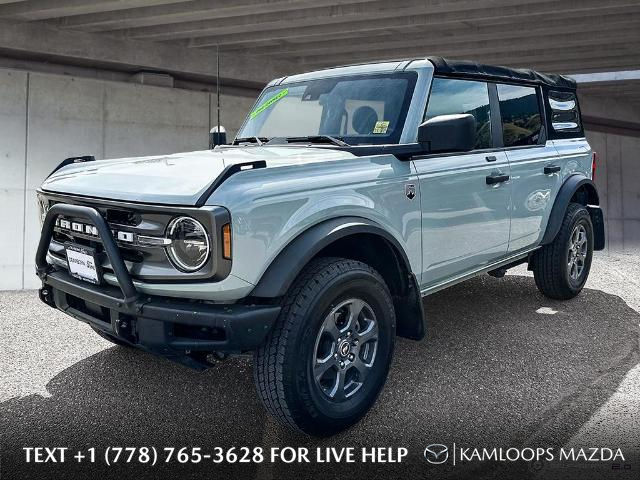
{"x": 126, "y": 225}
{"x": 145, "y": 260}
{"x": 117, "y": 216}
{"x": 123, "y": 217}
{"x": 73, "y": 230}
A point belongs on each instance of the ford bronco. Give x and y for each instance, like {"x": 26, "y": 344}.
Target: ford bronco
{"x": 347, "y": 195}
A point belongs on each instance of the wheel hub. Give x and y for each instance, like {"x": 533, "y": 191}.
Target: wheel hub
{"x": 577, "y": 251}
{"x": 345, "y": 349}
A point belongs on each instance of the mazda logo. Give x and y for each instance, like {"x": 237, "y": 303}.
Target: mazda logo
{"x": 436, "y": 453}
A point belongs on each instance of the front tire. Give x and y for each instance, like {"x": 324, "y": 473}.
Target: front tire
{"x": 561, "y": 268}
{"x": 327, "y": 358}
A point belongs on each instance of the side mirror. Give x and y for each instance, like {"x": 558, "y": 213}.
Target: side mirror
{"x": 217, "y": 137}
{"x": 448, "y": 133}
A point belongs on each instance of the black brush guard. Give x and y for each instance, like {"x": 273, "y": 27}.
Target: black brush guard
{"x": 129, "y": 292}
{"x": 177, "y": 329}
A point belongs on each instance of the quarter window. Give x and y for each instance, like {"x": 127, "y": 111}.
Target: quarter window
{"x": 520, "y": 112}
{"x": 564, "y": 112}
{"x": 449, "y": 96}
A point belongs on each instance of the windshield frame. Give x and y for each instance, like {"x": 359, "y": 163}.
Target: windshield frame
{"x": 393, "y": 139}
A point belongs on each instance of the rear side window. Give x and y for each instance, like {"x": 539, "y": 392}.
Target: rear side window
{"x": 450, "y": 96}
{"x": 520, "y": 112}
{"x": 564, "y": 112}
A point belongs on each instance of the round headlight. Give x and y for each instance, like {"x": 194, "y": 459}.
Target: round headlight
{"x": 190, "y": 247}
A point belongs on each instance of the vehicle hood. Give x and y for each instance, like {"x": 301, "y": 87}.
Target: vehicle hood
{"x": 177, "y": 179}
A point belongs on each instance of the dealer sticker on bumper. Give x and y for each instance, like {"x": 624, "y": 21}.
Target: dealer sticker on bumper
{"x": 82, "y": 263}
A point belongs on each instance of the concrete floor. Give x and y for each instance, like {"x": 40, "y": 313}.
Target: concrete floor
{"x": 501, "y": 366}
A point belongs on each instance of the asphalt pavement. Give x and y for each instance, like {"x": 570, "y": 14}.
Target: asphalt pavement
{"x": 501, "y": 366}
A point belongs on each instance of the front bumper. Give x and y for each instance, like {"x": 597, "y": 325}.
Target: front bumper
{"x": 181, "y": 330}
{"x": 167, "y": 327}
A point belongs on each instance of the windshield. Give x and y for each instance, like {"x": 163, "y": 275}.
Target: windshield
{"x": 363, "y": 109}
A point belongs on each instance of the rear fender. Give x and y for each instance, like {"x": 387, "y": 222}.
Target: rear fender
{"x": 580, "y": 189}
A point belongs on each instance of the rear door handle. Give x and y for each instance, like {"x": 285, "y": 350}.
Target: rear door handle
{"x": 499, "y": 178}
{"x": 549, "y": 169}
{"x": 491, "y": 158}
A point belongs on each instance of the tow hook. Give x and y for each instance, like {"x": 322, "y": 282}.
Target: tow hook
{"x": 125, "y": 328}
{"x": 46, "y": 296}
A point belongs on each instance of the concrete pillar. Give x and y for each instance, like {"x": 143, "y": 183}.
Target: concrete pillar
{"x": 618, "y": 182}
{"x": 13, "y": 118}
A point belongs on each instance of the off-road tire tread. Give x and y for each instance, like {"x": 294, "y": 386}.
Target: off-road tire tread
{"x": 269, "y": 359}
{"x": 547, "y": 273}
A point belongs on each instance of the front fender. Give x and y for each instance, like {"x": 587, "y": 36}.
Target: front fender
{"x": 284, "y": 269}
{"x": 393, "y": 265}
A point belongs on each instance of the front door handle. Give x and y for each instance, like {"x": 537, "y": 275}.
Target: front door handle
{"x": 499, "y": 178}
{"x": 549, "y": 169}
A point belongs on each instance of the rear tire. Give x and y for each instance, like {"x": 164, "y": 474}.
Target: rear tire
{"x": 110, "y": 338}
{"x": 561, "y": 268}
{"x": 328, "y": 355}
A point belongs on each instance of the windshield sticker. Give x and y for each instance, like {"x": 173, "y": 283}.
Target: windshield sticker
{"x": 268, "y": 103}
{"x": 381, "y": 127}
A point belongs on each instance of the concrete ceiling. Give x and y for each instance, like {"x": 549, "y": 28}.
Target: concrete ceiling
{"x": 260, "y": 39}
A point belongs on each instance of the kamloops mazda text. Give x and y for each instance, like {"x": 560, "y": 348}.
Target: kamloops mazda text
{"x": 347, "y": 196}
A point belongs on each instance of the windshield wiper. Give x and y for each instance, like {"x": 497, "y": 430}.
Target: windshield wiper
{"x": 318, "y": 139}
{"x": 252, "y": 139}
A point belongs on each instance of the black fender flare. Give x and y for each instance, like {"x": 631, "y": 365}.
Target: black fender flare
{"x": 566, "y": 192}
{"x": 288, "y": 264}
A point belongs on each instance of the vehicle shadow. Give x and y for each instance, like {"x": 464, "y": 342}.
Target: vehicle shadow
{"x": 123, "y": 397}
{"x": 493, "y": 372}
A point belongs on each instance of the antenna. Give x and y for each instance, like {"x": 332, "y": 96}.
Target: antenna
{"x": 218, "y": 81}
{"x": 217, "y": 135}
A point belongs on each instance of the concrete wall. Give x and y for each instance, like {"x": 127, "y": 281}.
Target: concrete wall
{"x": 618, "y": 182}
{"x": 46, "y": 118}
{"x": 13, "y": 140}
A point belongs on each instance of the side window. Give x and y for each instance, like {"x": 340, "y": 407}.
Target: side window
{"x": 450, "y": 96}
{"x": 564, "y": 112}
{"x": 520, "y": 112}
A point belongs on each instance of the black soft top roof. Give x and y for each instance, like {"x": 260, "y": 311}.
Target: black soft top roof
{"x": 466, "y": 68}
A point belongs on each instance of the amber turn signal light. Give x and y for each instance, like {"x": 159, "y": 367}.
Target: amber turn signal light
{"x": 226, "y": 241}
